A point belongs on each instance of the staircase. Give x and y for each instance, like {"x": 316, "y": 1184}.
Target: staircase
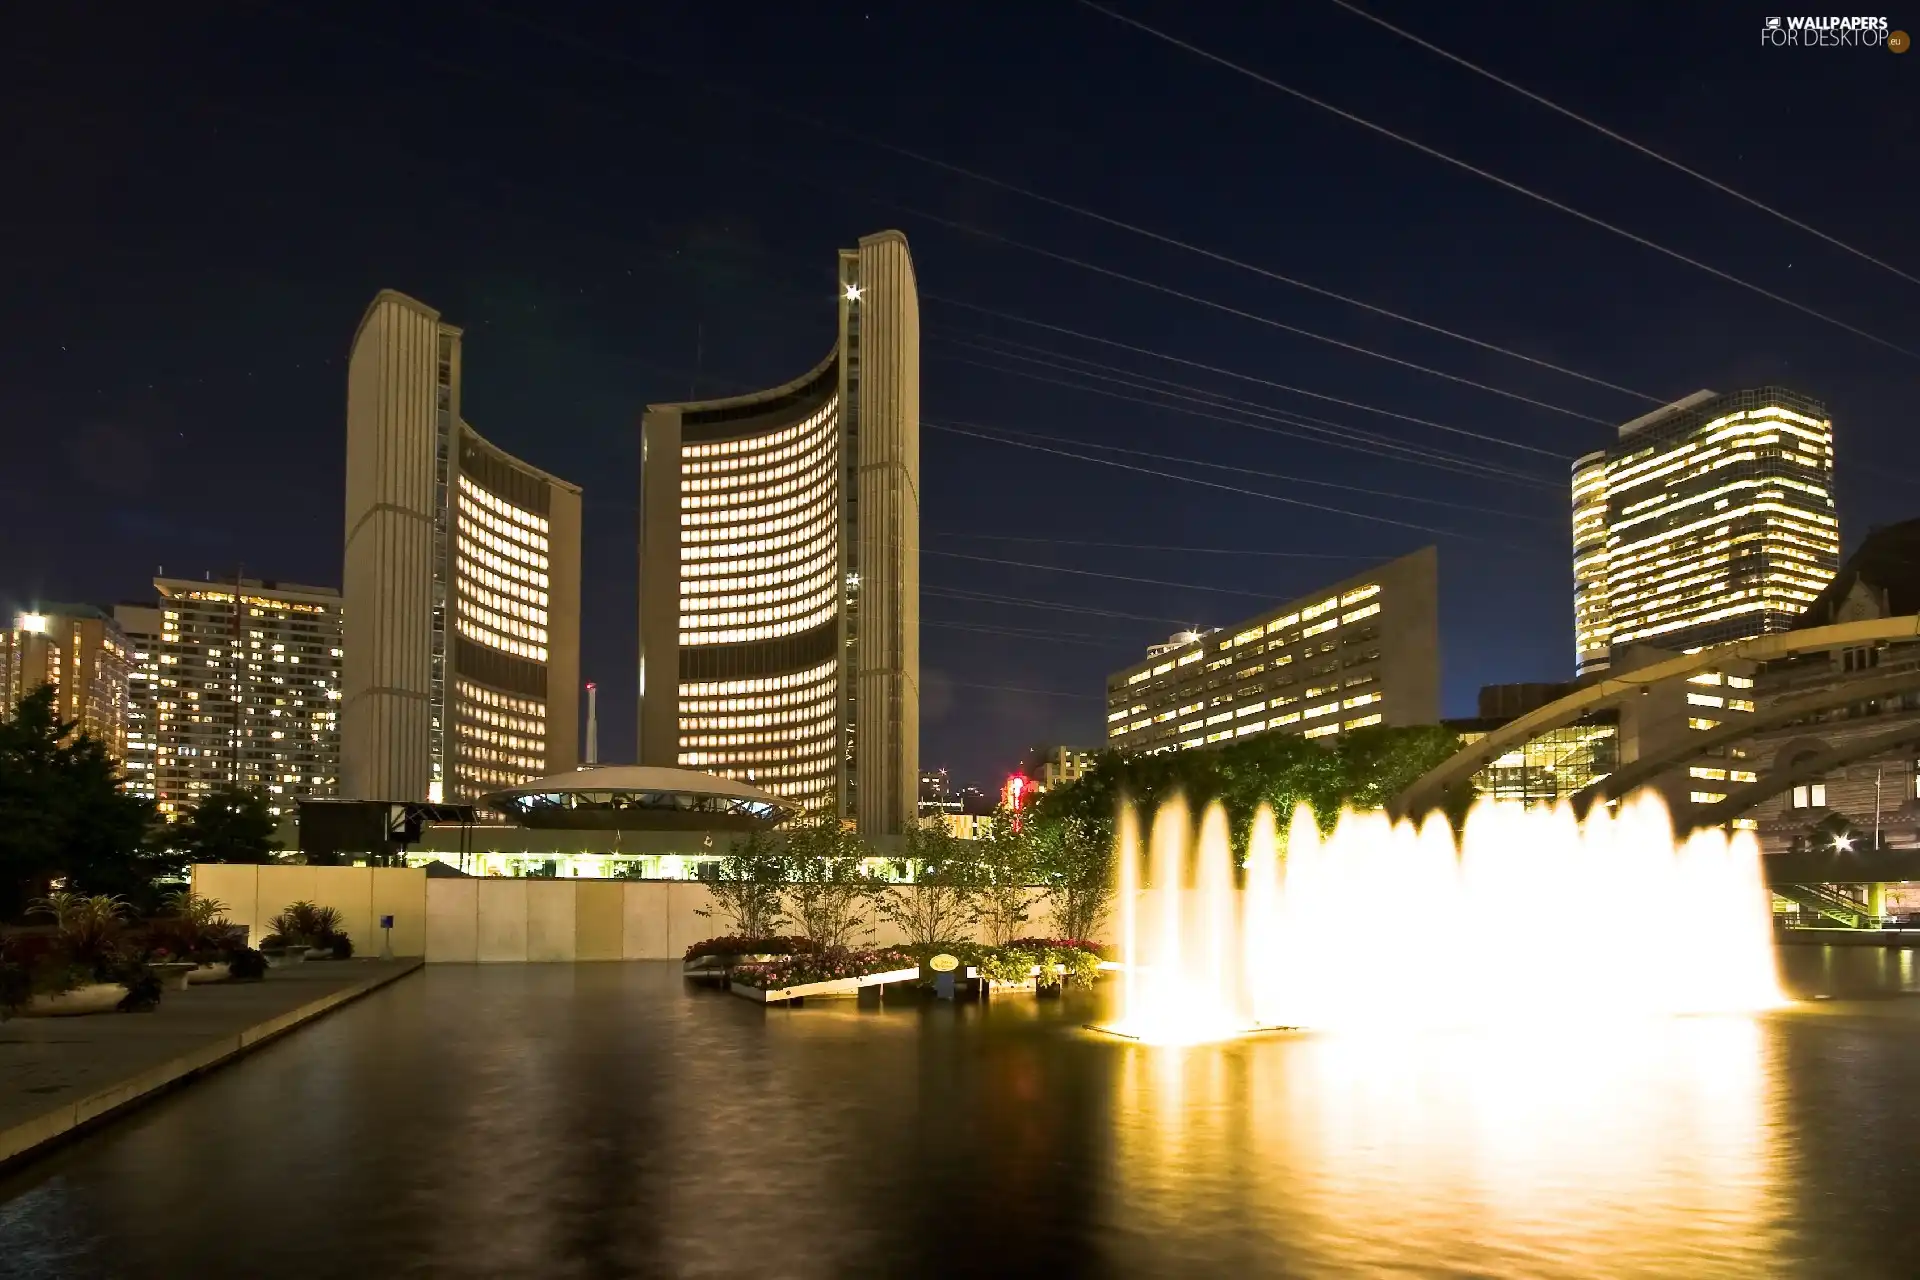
{"x": 1825, "y": 900}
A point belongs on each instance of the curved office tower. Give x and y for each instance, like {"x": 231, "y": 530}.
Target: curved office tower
{"x": 461, "y": 583}
{"x": 780, "y": 568}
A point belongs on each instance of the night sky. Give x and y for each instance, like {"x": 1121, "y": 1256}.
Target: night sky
{"x": 202, "y": 199}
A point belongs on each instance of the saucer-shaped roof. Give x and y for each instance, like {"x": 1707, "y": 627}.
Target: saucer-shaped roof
{"x": 640, "y": 797}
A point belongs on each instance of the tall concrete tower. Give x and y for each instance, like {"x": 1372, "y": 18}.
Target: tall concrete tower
{"x": 461, "y": 583}
{"x": 780, "y": 567}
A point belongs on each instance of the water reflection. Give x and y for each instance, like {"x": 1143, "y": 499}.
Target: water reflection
{"x": 593, "y": 1120}
{"x": 1508, "y": 1152}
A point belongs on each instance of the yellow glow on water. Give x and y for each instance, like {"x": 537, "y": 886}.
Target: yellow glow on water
{"x": 1532, "y": 916}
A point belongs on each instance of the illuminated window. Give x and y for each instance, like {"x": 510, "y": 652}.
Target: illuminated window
{"x": 1812, "y": 796}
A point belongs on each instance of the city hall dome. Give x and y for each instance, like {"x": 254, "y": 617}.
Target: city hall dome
{"x": 640, "y": 798}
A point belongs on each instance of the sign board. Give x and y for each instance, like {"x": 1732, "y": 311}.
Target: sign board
{"x": 943, "y": 963}
{"x": 386, "y": 922}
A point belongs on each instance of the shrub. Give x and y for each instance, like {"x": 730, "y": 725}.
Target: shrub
{"x": 305, "y": 924}
{"x": 1008, "y": 964}
{"x": 247, "y": 964}
{"x": 738, "y": 945}
{"x": 341, "y": 946}
{"x": 141, "y": 982}
{"x": 90, "y": 926}
{"x": 16, "y": 988}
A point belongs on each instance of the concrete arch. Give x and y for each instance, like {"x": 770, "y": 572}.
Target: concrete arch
{"x": 1632, "y": 776}
{"x": 1428, "y": 790}
{"x": 1811, "y": 768}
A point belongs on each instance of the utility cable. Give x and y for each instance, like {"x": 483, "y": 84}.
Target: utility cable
{"x": 1213, "y": 399}
{"x": 1208, "y": 484}
{"x": 1625, "y": 141}
{"x": 1496, "y": 179}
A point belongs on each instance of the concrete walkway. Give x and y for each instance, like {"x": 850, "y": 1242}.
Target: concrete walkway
{"x": 61, "y": 1074}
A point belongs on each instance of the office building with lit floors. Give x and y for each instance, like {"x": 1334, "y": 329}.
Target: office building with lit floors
{"x": 233, "y": 684}
{"x": 1360, "y": 652}
{"x": 780, "y": 568}
{"x": 461, "y": 583}
{"x": 1708, "y": 520}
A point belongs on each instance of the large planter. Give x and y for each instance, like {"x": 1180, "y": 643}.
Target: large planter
{"x": 717, "y": 966}
{"x": 174, "y": 975}
{"x": 205, "y": 973}
{"x": 92, "y": 997}
{"x": 841, "y": 988}
{"x": 280, "y": 959}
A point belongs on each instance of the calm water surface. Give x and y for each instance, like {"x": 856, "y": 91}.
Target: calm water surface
{"x": 591, "y": 1120}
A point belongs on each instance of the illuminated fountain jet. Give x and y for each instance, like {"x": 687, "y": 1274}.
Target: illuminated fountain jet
{"x": 1531, "y": 916}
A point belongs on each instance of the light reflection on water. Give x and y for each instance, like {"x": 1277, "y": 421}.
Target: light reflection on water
{"x": 1503, "y": 1152}
{"x": 552, "y": 1120}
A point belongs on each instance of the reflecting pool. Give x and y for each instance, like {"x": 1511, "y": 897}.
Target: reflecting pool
{"x": 604, "y": 1119}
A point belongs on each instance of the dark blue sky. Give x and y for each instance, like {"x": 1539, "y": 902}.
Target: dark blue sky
{"x": 626, "y": 207}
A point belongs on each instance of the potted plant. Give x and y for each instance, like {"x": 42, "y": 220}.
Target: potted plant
{"x": 88, "y": 967}
{"x": 304, "y": 931}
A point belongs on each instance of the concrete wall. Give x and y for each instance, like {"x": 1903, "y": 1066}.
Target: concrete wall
{"x": 492, "y": 919}
{"x": 255, "y": 894}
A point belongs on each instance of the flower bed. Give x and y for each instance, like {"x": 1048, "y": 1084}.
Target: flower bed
{"x": 822, "y": 966}
{"x": 738, "y": 946}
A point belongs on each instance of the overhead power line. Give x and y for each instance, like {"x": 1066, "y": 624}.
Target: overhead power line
{"x": 1212, "y": 399}
{"x": 1359, "y": 442}
{"x": 1149, "y": 546}
{"x": 1625, "y": 141}
{"x": 1028, "y": 602}
{"x": 1194, "y": 364}
{"x": 1011, "y": 434}
{"x": 1001, "y": 184}
{"x": 1089, "y": 573}
{"x": 1007, "y": 688}
{"x": 1270, "y": 322}
{"x": 1496, "y": 179}
{"x": 1195, "y": 480}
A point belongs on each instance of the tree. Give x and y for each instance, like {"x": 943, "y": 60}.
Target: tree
{"x": 748, "y": 885}
{"x": 1006, "y": 867}
{"x": 63, "y": 815}
{"x": 1075, "y": 861}
{"x": 939, "y": 903}
{"x": 830, "y": 886}
{"x": 230, "y": 824}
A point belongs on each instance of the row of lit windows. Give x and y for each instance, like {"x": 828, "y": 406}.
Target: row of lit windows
{"x": 497, "y": 738}
{"x": 468, "y": 553}
{"x": 725, "y": 559}
{"x": 509, "y": 556}
{"x": 509, "y": 534}
{"x": 499, "y": 506}
{"x": 736, "y": 633}
{"x": 506, "y": 644}
{"x": 695, "y": 607}
{"x": 484, "y": 619}
{"x": 753, "y": 444}
{"x": 752, "y": 483}
{"x": 733, "y": 518}
{"x": 473, "y": 571}
{"x": 754, "y": 684}
{"x": 505, "y": 606}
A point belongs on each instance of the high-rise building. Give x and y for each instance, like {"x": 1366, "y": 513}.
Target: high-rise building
{"x": 1708, "y": 520}
{"x": 461, "y": 583}
{"x": 1364, "y": 651}
{"x": 83, "y": 654}
{"x": 234, "y": 684}
{"x": 780, "y": 567}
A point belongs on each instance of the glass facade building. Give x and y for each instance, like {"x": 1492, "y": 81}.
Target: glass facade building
{"x": 1719, "y": 524}
{"x": 780, "y": 568}
{"x": 461, "y": 583}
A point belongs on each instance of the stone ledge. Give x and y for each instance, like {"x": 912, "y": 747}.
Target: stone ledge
{"x": 24, "y": 1139}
